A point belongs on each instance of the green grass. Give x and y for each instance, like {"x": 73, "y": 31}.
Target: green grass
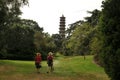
{"x": 66, "y": 68}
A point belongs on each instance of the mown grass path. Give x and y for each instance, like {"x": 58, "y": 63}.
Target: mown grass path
{"x": 66, "y": 68}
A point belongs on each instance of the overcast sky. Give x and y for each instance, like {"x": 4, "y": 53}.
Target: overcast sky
{"x": 47, "y": 13}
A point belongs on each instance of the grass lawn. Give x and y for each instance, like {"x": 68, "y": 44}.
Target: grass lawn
{"x": 66, "y": 68}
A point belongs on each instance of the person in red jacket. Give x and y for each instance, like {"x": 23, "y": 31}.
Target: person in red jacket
{"x": 38, "y": 60}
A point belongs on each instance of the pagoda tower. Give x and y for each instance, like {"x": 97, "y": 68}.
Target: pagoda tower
{"x": 62, "y": 26}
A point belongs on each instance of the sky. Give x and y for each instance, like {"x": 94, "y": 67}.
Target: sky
{"x": 47, "y": 13}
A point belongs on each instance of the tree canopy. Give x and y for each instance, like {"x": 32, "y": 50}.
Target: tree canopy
{"x": 110, "y": 30}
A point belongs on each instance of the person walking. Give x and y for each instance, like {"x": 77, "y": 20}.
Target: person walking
{"x": 38, "y": 60}
{"x": 50, "y": 62}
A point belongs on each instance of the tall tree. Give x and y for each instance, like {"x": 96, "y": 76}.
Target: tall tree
{"x": 110, "y": 29}
{"x": 9, "y": 12}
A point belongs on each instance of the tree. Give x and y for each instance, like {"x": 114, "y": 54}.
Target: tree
{"x": 80, "y": 39}
{"x": 94, "y": 18}
{"x": 19, "y": 39}
{"x": 19, "y": 43}
{"x": 81, "y": 34}
{"x": 9, "y": 12}
{"x": 110, "y": 30}
{"x": 72, "y": 28}
{"x": 57, "y": 41}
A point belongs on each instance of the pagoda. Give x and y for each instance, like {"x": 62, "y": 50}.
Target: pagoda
{"x": 62, "y": 26}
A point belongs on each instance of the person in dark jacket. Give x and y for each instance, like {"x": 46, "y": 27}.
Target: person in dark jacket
{"x": 50, "y": 62}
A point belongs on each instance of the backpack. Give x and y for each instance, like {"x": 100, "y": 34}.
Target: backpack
{"x": 50, "y": 58}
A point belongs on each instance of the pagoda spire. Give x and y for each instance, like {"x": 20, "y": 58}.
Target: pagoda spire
{"x": 62, "y": 26}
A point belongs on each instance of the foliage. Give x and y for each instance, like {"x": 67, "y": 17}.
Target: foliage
{"x": 81, "y": 35}
{"x": 58, "y": 42}
{"x": 9, "y": 13}
{"x": 21, "y": 38}
{"x": 72, "y": 28}
{"x": 80, "y": 39}
{"x": 94, "y": 18}
{"x": 110, "y": 29}
{"x": 96, "y": 45}
{"x": 49, "y": 45}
